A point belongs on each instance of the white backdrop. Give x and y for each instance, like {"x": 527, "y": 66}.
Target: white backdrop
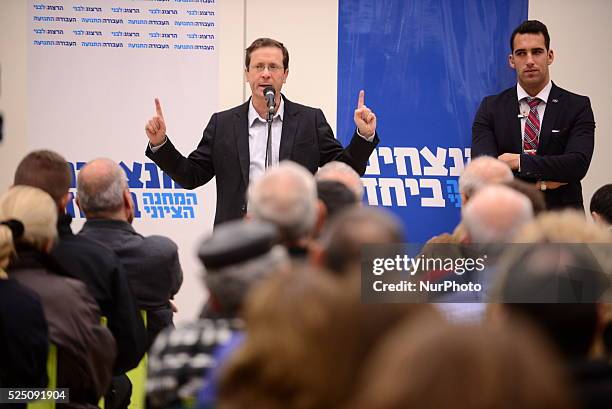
{"x": 94, "y": 70}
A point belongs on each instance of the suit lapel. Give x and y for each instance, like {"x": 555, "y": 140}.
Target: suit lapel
{"x": 241, "y": 135}
{"x": 290, "y": 122}
{"x": 553, "y": 107}
{"x": 513, "y": 109}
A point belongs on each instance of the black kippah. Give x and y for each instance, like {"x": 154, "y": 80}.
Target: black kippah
{"x": 237, "y": 241}
{"x": 16, "y": 227}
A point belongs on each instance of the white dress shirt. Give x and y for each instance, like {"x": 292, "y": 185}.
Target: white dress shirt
{"x": 258, "y": 138}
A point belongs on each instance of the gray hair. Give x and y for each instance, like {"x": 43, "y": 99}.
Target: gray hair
{"x": 230, "y": 284}
{"x": 100, "y": 186}
{"x": 482, "y": 171}
{"x": 495, "y": 214}
{"x": 343, "y": 173}
{"x": 287, "y": 197}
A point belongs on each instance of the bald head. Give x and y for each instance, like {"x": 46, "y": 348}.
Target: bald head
{"x": 495, "y": 214}
{"x": 287, "y": 197}
{"x": 100, "y": 188}
{"x": 480, "y": 172}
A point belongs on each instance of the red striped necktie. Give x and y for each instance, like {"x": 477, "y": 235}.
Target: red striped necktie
{"x": 531, "y": 137}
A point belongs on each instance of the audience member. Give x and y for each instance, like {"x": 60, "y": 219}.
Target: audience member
{"x": 23, "y": 329}
{"x": 341, "y": 172}
{"x": 287, "y": 197}
{"x": 535, "y": 196}
{"x": 340, "y": 247}
{"x": 468, "y": 366}
{"x": 151, "y": 263}
{"x": 236, "y": 257}
{"x": 491, "y": 219}
{"x": 557, "y": 284}
{"x": 601, "y": 205}
{"x": 85, "y": 349}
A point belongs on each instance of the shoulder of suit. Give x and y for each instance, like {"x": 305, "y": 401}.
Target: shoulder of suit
{"x": 568, "y": 94}
{"x": 162, "y": 244}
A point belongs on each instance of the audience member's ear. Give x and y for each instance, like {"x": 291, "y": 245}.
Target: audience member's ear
{"x": 128, "y": 204}
{"x": 47, "y": 246}
{"x": 247, "y": 217}
{"x": 321, "y": 218}
{"x": 597, "y": 217}
{"x": 64, "y": 202}
{"x": 316, "y": 254}
{"x": 78, "y": 203}
{"x": 464, "y": 199}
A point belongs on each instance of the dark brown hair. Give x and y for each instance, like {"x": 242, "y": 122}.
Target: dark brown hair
{"x": 46, "y": 170}
{"x": 266, "y": 42}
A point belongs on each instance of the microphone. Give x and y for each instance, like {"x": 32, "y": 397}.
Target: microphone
{"x": 269, "y": 94}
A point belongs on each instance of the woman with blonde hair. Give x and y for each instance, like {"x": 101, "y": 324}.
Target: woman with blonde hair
{"x": 85, "y": 349}
{"x": 23, "y": 329}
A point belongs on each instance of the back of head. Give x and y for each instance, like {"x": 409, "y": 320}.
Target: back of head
{"x": 100, "y": 187}
{"x": 335, "y": 196}
{"x": 303, "y": 326}
{"x": 495, "y": 214}
{"x": 444, "y": 366}
{"x": 344, "y": 238}
{"x": 566, "y": 226}
{"x": 343, "y": 173}
{"x": 287, "y": 197}
{"x": 566, "y": 262}
{"x": 482, "y": 171}
{"x": 46, "y": 170}
{"x": 556, "y": 287}
{"x": 36, "y": 210}
{"x": 238, "y": 255}
{"x": 535, "y": 196}
{"x": 601, "y": 203}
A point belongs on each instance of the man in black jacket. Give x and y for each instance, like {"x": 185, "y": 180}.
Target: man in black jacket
{"x": 543, "y": 132}
{"x": 234, "y": 145}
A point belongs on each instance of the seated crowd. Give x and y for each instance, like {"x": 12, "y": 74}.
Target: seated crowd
{"x": 285, "y": 324}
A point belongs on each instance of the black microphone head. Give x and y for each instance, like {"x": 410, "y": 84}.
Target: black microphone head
{"x": 269, "y": 89}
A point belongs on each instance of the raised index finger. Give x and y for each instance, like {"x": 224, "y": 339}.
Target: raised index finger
{"x": 361, "y": 100}
{"x": 158, "y": 108}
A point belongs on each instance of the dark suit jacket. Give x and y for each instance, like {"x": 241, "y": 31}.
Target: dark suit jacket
{"x": 102, "y": 272}
{"x": 151, "y": 264}
{"x": 566, "y": 141}
{"x": 223, "y": 152}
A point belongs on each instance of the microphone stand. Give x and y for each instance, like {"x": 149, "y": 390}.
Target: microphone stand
{"x": 268, "y": 163}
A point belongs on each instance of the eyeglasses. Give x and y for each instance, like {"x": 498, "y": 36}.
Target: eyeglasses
{"x": 272, "y": 68}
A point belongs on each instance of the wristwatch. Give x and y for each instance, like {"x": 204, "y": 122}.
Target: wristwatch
{"x": 542, "y": 185}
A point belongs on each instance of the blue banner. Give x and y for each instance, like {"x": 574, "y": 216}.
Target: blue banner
{"x": 425, "y": 65}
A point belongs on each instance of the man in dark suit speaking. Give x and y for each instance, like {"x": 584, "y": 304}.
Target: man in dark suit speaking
{"x": 544, "y": 133}
{"x": 234, "y": 145}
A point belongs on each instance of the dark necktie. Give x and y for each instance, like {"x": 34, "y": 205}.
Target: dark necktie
{"x": 531, "y": 137}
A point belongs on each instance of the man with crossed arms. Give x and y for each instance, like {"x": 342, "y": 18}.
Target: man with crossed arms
{"x": 233, "y": 147}
{"x": 543, "y": 132}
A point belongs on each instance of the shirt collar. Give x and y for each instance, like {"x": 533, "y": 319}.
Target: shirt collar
{"x": 253, "y": 115}
{"x": 543, "y": 95}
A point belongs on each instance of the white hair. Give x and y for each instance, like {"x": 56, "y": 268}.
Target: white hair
{"x": 343, "y": 173}
{"x": 482, "y": 171}
{"x": 100, "y": 186}
{"x": 495, "y": 214}
{"x": 287, "y": 197}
